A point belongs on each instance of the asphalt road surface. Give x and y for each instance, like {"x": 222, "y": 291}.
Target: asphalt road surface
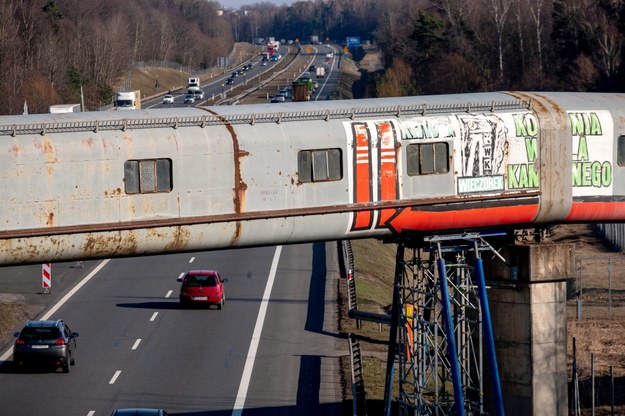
{"x": 272, "y": 350}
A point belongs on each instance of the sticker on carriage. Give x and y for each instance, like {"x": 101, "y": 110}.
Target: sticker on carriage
{"x": 492, "y": 152}
{"x": 591, "y": 135}
{"x": 496, "y": 152}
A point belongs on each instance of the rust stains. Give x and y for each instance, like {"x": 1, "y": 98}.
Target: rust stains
{"x": 50, "y": 220}
{"x": 180, "y": 239}
{"x": 537, "y": 105}
{"x": 88, "y": 142}
{"x": 16, "y": 149}
{"x": 97, "y": 245}
{"x": 115, "y": 192}
{"x": 47, "y": 148}
{"x": 238, "y": 196}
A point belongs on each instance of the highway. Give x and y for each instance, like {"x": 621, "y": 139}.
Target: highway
{"x": 216, "y": 89}
{"x": 138, "y": 348}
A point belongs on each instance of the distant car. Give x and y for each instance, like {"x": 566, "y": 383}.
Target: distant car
{"x": 202, "y": 287}
{"x": 312, "y": 68}
{"x": 168, "y": 99}
{"x": 199, "y": 94}
{"x": 230, "y": 81}
{"x": 234, "y": 74}
{"x": 263, "y": 63}
{"x": 189, "y": 98}
{"x": 139, "y": 412}
{"x": 278, "y": 99}
{"x": 46, "y": 343}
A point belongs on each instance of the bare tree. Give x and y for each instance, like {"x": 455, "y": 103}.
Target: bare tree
{"x": 536, "y": 8}
{"x": 610, "y": 44}
{"x": 498, "y": 12}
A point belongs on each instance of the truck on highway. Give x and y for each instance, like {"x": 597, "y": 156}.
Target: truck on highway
{"x": 127, "y": 100}
{"x": 64, "y": 108}
{"x": 320, "y": 71}
{"x": 302, "y": 89}
{"x": 193, "y": 83}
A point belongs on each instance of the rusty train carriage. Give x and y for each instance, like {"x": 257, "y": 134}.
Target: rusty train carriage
{"x": 89, "y": 185}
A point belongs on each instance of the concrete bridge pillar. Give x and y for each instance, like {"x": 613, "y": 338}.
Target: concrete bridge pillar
{"x": 528, "y": 308}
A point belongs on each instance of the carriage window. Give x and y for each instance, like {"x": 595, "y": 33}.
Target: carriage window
{"x": 427, "y": 158}
{"x": 320, "y": 165}
{"x": 621, "y": 151}
{"x": 147, "y": 176}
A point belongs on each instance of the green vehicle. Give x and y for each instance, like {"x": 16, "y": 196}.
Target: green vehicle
{"x": 302, "y": 89}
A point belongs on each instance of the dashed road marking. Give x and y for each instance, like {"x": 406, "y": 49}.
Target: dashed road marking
{"x": 117, "y": 373}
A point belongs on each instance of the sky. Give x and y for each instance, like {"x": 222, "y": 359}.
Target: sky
{"x": 235, "y": 4}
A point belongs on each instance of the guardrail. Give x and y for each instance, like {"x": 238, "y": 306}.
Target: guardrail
{"x": 359, "y": 395}
{"x": 235, "y": 99}
{"x": 352, "y": 297}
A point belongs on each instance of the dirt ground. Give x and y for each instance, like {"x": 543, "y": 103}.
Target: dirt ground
{"x": 600, "y": 330}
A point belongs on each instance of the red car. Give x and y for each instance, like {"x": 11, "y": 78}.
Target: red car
{"x": 202, "y": 287}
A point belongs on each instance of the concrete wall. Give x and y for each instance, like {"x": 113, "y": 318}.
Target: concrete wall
{"x": 529, "y": 323}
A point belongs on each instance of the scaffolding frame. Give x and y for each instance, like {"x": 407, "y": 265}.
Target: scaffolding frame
{"x": 440, "y": 329}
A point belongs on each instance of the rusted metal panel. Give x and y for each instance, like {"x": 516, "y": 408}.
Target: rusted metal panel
{"x": 553, "y": 161}
{"x": 235, "y": 172}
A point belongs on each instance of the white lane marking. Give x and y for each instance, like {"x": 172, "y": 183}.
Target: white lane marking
{"x": 153, "y": 316}
{"x": 239, "y": 403}
{"x": 192, "y": 260}
{"x": 64, "y": 299}
{"x": 136, "y": 344}
{"x": 117, "y": 373}
{"x": 91, "y": 413}
{"x": 168, "y": 294}
{"x": 180, "y": 277}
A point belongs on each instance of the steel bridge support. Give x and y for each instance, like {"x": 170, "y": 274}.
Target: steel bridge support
{"x": 440, "y": 329}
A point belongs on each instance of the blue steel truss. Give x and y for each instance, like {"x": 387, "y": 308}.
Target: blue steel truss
{"x": 441, "y": 329}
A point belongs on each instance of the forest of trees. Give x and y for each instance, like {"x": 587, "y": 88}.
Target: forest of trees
{"x": 50, "y": 48}
{"x": 450, "y": 46}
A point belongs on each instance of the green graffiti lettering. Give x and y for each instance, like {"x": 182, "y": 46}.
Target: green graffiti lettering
{"x": 519, "y": 125}
{"x": 532, "y": 176}
{"x": 577, "y": 123}
{"x": 577, "y": 174}
{"x": 525, "y": 125}
{"x": 595, "y": 125}
{"x": 596, "y": 174}
{"x": 531, "y": 148}
{"x": 606, "y": 174}
{"x": 582, "y": 148}
{"x": 585, "y": 124}
{"x": 532, "y": 124}
{"x": 522, "y": 176}
{"x": 512, "y": 175}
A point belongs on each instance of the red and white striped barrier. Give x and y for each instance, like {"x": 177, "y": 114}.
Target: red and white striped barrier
{"x": 46, "y": 277}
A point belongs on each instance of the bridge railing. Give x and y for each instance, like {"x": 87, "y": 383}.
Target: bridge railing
{"x": 252, "y": 118}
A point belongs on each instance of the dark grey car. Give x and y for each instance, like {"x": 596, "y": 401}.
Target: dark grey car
{"x": 45, "y": 343}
